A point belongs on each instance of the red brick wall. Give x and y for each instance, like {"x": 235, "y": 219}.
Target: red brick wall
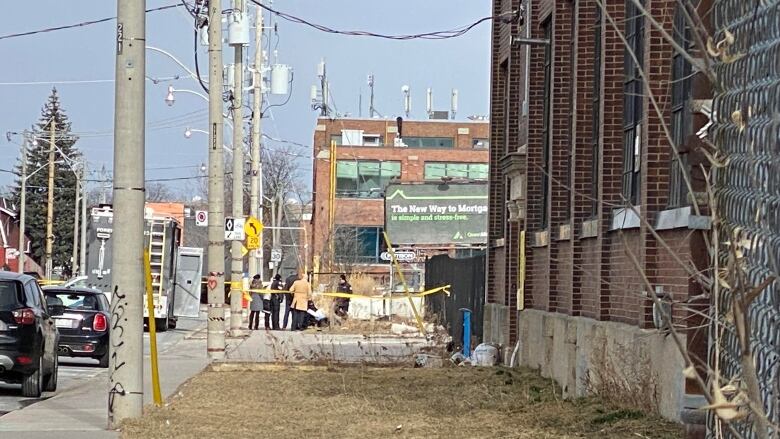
{"x": 587, "y": 276}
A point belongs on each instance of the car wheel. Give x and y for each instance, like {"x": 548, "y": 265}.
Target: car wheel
{"x": 172, "y": 323}
{"x": 103, "y": 359}
{"x": 51, "y": 379}
{"x": 31, "y": 384}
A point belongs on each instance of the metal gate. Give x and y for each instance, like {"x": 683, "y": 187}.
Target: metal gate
{"x": 747, "y": 129}
{"x": 467, "y": 280}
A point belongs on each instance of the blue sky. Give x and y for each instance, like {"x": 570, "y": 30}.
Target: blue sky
{"x": 87, "y": 53}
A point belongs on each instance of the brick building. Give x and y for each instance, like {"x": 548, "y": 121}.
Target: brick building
{"x": 9, "y": 237}
{"x": 577, "y": 150}
{"x": 368, "y": 156}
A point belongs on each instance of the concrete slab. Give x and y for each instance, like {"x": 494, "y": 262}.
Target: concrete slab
{"x": 315, "y": 347}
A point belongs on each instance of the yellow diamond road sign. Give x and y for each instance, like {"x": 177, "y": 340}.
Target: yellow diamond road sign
{"x": 252, "y": 242}
{"x": 253, "y": 227}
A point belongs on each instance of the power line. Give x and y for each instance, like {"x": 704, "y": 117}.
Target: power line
{"x": 82, "y": 24}
{"x": 436, "y": 35}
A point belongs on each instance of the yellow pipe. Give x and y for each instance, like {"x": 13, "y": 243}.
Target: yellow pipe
{"x": 152, "y": 331}
{"x": 521, "y": 274}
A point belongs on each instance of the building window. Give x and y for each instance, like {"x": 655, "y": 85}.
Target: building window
{"x": 429, "y": 142}
{"x": 480, "y": 143}
{"x": 473, "y": 171}
{"x": 357, "y": 138}
{"x": 681, "y": 118}
{"x": 364, "y": 178}
{"x": 595, "y": 156}
{"x": 358, "y": 245}
{"x": 633, "y": 91}
{"x": 547, "y": 27}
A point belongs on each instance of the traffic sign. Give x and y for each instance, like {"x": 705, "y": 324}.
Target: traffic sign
{"x": 244, "y": 251}
{"x": 276, "y": 255}
{"x": 400, "y": 256}
{"x": 234, "y": 229}
{"x": 201, "y": 218}
{"x": 253, "y": 226}
{"x": 252, "y": 242}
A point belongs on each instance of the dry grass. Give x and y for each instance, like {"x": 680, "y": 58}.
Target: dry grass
{"x": 362, "y": 403}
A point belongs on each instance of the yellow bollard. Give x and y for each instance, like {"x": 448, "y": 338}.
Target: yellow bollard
{"x": 152, "y": 332}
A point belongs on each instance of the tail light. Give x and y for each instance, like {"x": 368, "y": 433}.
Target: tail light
{"x": 99, "y": 323}
{"x": 24, "y": 316}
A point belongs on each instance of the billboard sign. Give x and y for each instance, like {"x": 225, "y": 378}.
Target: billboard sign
{"x": 437, "y": 213}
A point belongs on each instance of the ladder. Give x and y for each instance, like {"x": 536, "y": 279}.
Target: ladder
{"x": 157, "y": 255}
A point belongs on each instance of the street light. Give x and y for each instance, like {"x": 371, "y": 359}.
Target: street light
{"x": 188, "y": 134}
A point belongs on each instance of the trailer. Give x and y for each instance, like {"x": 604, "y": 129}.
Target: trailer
{"x": 162, "y": 236}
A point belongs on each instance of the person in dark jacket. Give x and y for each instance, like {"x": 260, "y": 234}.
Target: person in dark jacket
{"x": 342, "y": 303}
{"x": 256, "y": 305}
{"x": 276, "y": 300}
{"x": 288, "y": 297}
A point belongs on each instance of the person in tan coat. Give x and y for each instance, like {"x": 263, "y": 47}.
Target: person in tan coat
{"x": 301, "y": 291}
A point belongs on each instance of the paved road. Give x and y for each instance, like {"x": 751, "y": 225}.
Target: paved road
{"x": 74, "y": 371}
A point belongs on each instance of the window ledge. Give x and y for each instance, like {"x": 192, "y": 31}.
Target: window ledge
{"x": 626, "y": 218}
{"x": 681, "y": 218}
{"x": 590, "y": 229}
{"x": 564, "y": 232}
{"x": 540, "y": 238}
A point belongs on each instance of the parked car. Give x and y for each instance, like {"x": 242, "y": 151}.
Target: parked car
{"x": 82, "y": 316}
{"x": 28, "y": 336}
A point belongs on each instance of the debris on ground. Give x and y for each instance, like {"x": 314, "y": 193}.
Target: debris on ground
{"x": 361, "y": 402}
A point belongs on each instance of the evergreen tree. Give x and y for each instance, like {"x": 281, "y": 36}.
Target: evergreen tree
{"x": 37, "y": 185}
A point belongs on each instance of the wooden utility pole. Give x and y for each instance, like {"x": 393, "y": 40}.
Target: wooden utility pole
{"x": 50, "y": 201}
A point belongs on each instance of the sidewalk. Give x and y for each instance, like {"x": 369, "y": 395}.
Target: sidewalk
{"x": 81, "y": 412}
{"x": 316, "y": 347}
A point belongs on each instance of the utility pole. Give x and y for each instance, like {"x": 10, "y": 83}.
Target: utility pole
{"x": 22, "y": 207}
{"x": 126, "y": 388}
{"x": 215, "y": 339}
{"x": 237, "y": 260}
{"x": 371, "y": 98}
{"x": 74, "y": 263}
{"x": 256, "y": 179}
{"x": 83, "y": 246}
{"x": 50, "y": 202}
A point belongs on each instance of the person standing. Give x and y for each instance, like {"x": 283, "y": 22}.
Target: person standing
{"x": 256, "y": 306}
{"x": 342, "y": 303}
{"x": 288, "y": 297}
{"x": 301, "y": 291}
{"x": 275, "y": 302}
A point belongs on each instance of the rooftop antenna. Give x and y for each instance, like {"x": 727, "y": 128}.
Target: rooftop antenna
{"x": 429, "y": 101}
{"x": 371, "y": 109}
{"x": 453, "y": 103}
{"x": 322, "y": 104}
{"x": 407, "y": 100}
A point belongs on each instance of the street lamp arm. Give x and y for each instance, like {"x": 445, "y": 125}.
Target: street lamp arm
{"x": 184, "y": 90}
{"x": 192, "y": 74}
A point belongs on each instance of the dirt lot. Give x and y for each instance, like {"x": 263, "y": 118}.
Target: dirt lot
{"x": 314, "y": 402}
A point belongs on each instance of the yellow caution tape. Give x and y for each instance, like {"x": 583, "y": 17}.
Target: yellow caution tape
{"x": 443, "y": 289}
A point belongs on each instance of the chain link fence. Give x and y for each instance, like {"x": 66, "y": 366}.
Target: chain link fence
{"x": 747, "y": 131}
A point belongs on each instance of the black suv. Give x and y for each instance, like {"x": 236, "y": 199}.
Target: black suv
{"x": 28, "y": 336}
{"x": 81, "y": 316}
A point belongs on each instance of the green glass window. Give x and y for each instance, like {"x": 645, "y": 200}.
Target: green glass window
{"x": 474, "y": 171}
{"x": 429, "y": 142}
{"x": 364, "y": 178}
